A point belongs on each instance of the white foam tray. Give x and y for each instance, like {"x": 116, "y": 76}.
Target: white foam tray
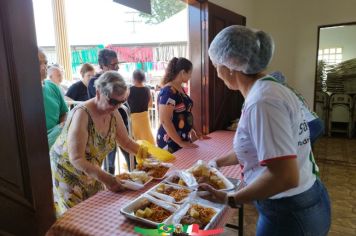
{"x": 129, "y": 209}
{"x": 227, "y": 182}
{"x": 167, "y": 198}
{"x": 219, "y": 209}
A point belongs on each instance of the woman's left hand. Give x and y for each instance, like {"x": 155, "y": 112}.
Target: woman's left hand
{"x": 214, "y": 195}
{"x": 194, "y": 135}
{"x": 203, "y": 136}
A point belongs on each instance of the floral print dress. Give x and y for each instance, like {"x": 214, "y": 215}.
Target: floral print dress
{"x": 182, "y": 117}
{"x": 70, "y": 185}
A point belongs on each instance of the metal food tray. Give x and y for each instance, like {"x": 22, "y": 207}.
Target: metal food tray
{"x": 219, "y": 208}
{"x": 153, "y": 193}
{"x": 227, "y": 182}
{"x": 129, "y": 209}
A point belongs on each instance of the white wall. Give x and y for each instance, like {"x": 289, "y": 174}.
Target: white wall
{"x": 294, "y": 26}
{"x": 344, "y": 37}
{"x": 318, "y": 12}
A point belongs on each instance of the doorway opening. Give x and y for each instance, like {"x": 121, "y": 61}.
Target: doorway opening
{"x": 335, "y": 88}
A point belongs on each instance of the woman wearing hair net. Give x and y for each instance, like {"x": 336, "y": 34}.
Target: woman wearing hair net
{"x": 271, "y": 143}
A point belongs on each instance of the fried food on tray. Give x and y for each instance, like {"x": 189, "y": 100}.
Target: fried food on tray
{"x": 204, "y": 175}
{"x": 178, "y": 180}
{"x": 177, "y": 194}
{"x": 156, "y": 171}
{"x": 198, "y": 214}
{"x": 124, "y": 176}
{"x": 152, "y": 212}
{"x": 138, "y": 177}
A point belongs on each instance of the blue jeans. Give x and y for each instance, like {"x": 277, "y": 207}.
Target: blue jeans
{"x": 109, "y": 162}
{"x": 307, "y": 213}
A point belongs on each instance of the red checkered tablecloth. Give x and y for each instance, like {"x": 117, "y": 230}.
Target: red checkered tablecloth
{"x": 100, "y": 214}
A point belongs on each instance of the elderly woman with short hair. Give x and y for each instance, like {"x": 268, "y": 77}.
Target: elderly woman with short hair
{"x": 89, "y": 134}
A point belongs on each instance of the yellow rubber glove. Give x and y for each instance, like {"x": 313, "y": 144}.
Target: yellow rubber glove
{"x": 156, "y": 152}
{"x": 142, "y": 154}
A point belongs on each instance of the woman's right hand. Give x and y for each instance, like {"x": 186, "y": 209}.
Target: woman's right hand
{"x": 187, "y": 144}
{"x": 211, "y": 194}
{"x": 113, "y": 184}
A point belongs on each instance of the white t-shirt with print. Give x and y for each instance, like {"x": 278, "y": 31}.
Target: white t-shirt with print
{"x": 272, "y": 126}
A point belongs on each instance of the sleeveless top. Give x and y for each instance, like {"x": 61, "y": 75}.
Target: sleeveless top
{"x": 70, "y": 185}
{"x": 138, "y": 99}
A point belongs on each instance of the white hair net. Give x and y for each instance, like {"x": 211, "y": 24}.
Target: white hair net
{"x": 242, "y": 49}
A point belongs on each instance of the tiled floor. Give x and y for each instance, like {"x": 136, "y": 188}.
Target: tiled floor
{"x": 336, "y": 150}
{"x": 336, "y": 158}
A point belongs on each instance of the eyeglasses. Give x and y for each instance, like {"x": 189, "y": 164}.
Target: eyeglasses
{"x": 114, "y": 65}
{"x": 113, "y": 102}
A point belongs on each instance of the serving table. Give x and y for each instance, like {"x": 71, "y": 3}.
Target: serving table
{"x": 100, "y": 214}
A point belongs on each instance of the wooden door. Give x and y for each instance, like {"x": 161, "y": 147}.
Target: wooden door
{"x": 26, "y": 202}
{"x": 215, "y": 105}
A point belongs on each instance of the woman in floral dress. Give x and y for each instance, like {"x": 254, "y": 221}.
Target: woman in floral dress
{"x": 89, "y": 134}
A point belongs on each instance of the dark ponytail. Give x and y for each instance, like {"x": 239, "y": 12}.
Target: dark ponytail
{"x": 175, "y": 66}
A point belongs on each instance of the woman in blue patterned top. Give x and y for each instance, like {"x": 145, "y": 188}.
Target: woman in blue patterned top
{"x": 175, "y": 106}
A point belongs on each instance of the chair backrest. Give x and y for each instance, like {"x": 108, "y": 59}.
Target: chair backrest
{"x": 340, "y": 108}
{"x": 341, "y": 99}
{"x": 340, "y": 113}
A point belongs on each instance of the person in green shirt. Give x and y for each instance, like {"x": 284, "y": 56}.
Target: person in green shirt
{"x": 54, "y": 104}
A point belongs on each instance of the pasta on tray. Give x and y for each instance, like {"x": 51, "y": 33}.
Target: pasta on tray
{"x": 177, "y": 193}
{"x": 152, "y": 212}
{"x": 157, "y": 170}
{"x": 198, "y": 214}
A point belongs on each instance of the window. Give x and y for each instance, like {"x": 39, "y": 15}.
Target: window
{"x": 330, "y": 55}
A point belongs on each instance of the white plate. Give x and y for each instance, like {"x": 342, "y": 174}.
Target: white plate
{"x": 167, "y": 198}
{"x": 129, "y": 209}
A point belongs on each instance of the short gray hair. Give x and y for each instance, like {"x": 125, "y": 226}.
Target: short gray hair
{"x": 53, "y": 68}
{"x": 110, "y": 82}
{"x": 242, "y": 49}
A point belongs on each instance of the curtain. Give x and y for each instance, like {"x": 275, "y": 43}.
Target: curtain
{"x": 61, "y": 38}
